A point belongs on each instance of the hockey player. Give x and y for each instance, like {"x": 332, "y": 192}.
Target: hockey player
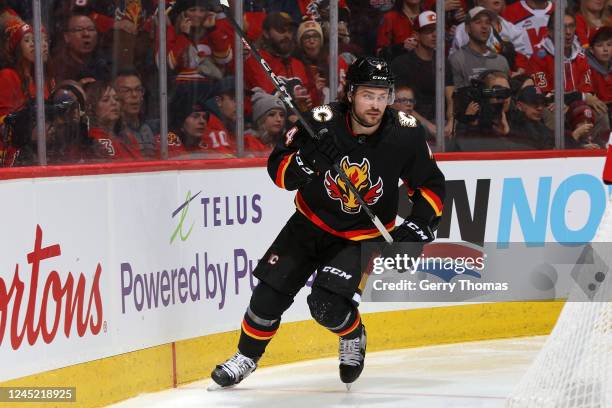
{"x": 376, "y": 147}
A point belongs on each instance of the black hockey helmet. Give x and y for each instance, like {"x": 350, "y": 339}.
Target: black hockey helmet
{"x": 370, "y": 71}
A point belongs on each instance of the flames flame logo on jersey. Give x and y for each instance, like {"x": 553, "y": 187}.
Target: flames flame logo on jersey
{"x": 359, "y": 174}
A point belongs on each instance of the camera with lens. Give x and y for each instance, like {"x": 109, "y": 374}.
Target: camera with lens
{"x": 490, "y": 101}
{"x": 19, "y": 125}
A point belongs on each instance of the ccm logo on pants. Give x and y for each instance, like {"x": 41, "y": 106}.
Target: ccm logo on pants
{"x": 337, "y": 272}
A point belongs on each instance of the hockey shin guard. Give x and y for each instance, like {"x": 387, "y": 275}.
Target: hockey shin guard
{"x": 262, "y": 319}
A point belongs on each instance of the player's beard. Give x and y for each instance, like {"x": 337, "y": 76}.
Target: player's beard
{"x": 365, "y": 120}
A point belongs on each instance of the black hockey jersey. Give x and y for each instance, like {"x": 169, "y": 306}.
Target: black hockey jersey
{"x": 374, "y": 163}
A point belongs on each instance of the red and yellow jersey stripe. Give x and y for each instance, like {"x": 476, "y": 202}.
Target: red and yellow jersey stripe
{"x": 353, "y": 235}
{"x": 282, "y": 168}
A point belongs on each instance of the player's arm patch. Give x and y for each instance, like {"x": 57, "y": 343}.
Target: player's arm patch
{"x": 406, "y": 120}
{"x": 322, "y": 113}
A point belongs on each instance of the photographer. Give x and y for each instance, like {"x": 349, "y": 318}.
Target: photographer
{"x": 480, "y": 109}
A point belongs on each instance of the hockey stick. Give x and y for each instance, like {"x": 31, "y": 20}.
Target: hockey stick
{"x": 280, "y": 87}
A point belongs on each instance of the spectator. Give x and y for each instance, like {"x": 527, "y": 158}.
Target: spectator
{"x": 598, "y": 57}
{"x": 131, "y": 94}
{"x": 582, "y": 133}
{"x": 269, "y": 117}
{"x": 219, "y": 135}
{"x": 198, "y": 51}
{"x": 576, "y": 68}
{"x": 527, "y": 119}
{"x": 396, "y": 30}
{"x": 223, "y": 105}
{"x": 122, "y": 26}
{"x": 417, "y": 70}
{"x": 365, "y": 16}
{"x": 104, "y": 111}
{"x": 505, "y": 38}
{"x": 276, "y": 47}
{"x": 530, "y": 16}
{"x": 589, "y": 19}
{"x": 18, "y": 88}
{"x": 315, "y": 56}
{"x": 78, "y": 58}
{"x": 187, "y": 126}
{"x": 405, "y": 102}
{"x": 471, "y": 60}
{"x": 17, "y": 84}
{"x": 254, "y": 13}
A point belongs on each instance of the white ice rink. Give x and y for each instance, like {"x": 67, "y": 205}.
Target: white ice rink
{"x": 474, "y": 375}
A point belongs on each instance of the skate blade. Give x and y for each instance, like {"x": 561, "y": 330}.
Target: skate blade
{"x": 213, "y": 386}
{"x": 348, "y": 386}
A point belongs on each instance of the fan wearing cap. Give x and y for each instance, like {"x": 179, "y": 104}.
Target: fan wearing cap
{"x": 315, "y": 55}
{"x": 475, "y": 57}
{"x": 269, "y": 118}
{"x": 501, "y": 31}
{"x": 104, "y": 112}
{"x": 188, "y": 117}
{"x": 17, "y": 84}
{"x": 198, "y": 51}
{"x": 397, "y": 27}
{"x": 527, "y": 119}
{"x": 417, "y": 70}
{"x": 599, "y": 56}
{"x": 582, "y": 133}
{"x": 277, "y": 45}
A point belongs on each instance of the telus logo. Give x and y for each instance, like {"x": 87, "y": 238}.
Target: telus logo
{"x": 67, "y": 300}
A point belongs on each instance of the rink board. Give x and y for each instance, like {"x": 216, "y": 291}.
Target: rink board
{"x": 175, "y": 287}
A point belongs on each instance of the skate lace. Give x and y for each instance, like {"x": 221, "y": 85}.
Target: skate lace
{"x": 238, "y": 365}
{"x": 350, "y": 352}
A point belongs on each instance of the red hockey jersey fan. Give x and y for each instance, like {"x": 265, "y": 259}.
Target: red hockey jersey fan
{"x": 533, "y": 21}
{"x": 394, "y": 29}
{"x": 576, "y": 68}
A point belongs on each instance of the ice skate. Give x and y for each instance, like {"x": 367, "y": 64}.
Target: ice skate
{"x": 234, "y": 370}
{"x": 352, "y": 355}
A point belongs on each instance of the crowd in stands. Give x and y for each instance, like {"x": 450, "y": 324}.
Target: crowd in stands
{"x": 101, "y": 86}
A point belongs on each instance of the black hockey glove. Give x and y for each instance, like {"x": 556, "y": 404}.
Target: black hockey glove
{"x": 414, "y": 231}
{"x": 321, "y": 154}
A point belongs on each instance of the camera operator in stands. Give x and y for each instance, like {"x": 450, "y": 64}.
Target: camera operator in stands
{"x": 480, "y": 111}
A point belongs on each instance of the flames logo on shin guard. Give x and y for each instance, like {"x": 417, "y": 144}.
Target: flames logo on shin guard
{"x": 359, "y": 174}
